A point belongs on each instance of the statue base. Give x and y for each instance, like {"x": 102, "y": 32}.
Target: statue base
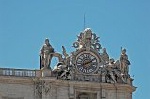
{"x": 46, "y": 72}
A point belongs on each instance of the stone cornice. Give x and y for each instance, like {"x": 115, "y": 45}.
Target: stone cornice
{"x": 88, "y": 85}
{"x": 66, "y": 83}
{"x": 16, "y": 80}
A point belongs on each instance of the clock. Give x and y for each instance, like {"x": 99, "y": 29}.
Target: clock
{"x": 87, "y": 62}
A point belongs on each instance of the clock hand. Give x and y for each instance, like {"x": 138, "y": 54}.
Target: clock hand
{"x": 88, "y": 62}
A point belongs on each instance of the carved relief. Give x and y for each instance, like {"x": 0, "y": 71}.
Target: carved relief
{"x": 42, "y": 88}
{"x": 87, "y": 39}
{"x": 38, "y": 88}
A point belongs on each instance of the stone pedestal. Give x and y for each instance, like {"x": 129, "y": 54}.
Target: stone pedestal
{"x": 46, "y": 72}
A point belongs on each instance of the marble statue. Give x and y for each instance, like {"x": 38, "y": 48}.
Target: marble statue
{"x": 105, "y": 56}
{"x": 46, "y": 54}
{"x": 124, "y": 62}
{"x": 61, "y": 71}
{"x": 66, "y": 58}
{"x": 113, "y": 71}
{"x": 110, "y": 70}
{"x": 87, "y": 37}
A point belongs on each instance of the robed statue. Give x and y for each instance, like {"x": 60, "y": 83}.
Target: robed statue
{"x": 46, "y": 54}
{"x": 124, "y": 66}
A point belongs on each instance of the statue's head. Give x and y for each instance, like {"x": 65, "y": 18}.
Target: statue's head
{"x": 104, "y": 50}
{"x": 47, "y": 41}
{"x": 123, "y": 51}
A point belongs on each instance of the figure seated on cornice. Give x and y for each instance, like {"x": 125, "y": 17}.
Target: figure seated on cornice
{"x": 110, "y": 71}
{"x": 61, "y": 71}
{"x": 113, "y": 72}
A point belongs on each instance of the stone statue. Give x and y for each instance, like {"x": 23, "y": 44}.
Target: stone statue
{"x": 61, "y": 71}
{"x": 87, "y": 37}
{"x": 46, "y": 54}
{"x": 113, "y": 71}
{"x": 117, "y": 71}
{"x": 110, "y": 70}
{"x": 124, "y": 62}
{"x": 66, "y": 59}
{"x": 105, "y": 56}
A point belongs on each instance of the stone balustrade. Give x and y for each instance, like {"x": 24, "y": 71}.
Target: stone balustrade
{"x": 17, "y": 72}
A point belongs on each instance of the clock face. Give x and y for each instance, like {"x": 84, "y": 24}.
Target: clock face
{"x": 86, "y": 62}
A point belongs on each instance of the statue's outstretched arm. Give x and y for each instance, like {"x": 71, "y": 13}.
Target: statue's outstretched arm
{"x": 64, "y": 51}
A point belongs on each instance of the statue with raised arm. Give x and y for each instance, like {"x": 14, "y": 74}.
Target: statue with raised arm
{"x": 46, "y": 54}
{"x": 66, "y": 56}
{"x": 124, "y": 62}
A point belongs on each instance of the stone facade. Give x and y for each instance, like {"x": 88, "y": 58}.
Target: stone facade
{"x": 16, "y": 88}
{"x": 52, "y": 88}
{"x": 86, "y": 73}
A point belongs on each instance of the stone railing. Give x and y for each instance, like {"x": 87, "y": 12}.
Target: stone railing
{"x": 17, "y": 72}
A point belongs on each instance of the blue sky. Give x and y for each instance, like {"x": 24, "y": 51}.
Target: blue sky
{"x": 24, "y": 24}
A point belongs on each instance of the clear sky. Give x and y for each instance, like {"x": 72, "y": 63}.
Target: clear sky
{"x": 24, "y": 24}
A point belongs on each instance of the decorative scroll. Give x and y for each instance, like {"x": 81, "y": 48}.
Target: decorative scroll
{"x": 87, "y": 39}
